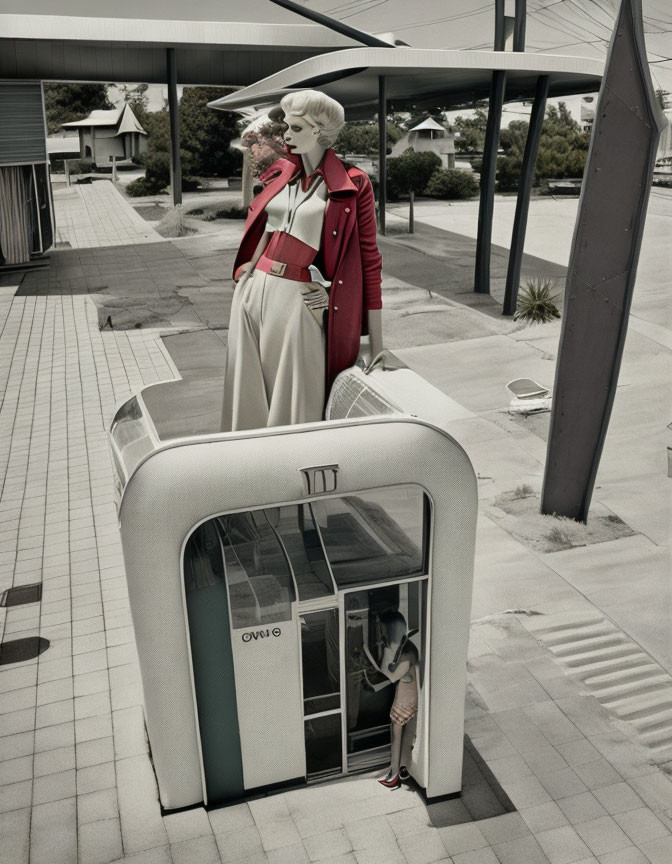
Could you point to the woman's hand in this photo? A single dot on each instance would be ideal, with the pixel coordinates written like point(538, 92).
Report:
point(241, 271)
point(316, 298)
point(375, 326)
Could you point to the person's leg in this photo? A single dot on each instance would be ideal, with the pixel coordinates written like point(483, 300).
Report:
point(408, 740)
point(391, 778)
point(292, 355)
point(395, 755)
point(245, 400)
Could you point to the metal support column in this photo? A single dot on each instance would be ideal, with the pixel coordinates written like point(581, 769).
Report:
point(519, 25)
point(174, 110)
point(500, 35)
point(486, 207)
point(524, 190)
point(382, 152)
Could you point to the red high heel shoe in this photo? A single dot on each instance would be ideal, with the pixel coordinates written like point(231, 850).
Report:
point(392, 783)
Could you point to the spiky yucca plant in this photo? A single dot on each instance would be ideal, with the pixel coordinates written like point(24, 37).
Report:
point(535, 304)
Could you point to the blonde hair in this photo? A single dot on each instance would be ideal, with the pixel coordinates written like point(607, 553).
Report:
point(317, 109)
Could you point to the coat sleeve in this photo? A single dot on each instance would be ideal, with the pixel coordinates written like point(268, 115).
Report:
point(372, 260)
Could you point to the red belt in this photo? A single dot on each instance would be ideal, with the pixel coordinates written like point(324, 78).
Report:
point(285, 271)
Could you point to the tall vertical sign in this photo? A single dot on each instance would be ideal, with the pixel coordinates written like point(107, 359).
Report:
point(602, 268)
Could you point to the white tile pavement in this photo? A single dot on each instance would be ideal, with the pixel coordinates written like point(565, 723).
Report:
point(97, 214)
point(92, 800)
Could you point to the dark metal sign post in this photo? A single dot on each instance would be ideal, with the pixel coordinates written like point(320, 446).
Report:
point(602, 268)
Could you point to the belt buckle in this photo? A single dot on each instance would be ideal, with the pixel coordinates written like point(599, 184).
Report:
point(278, 268)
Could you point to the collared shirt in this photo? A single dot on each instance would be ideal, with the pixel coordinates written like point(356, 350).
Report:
point(298, 209)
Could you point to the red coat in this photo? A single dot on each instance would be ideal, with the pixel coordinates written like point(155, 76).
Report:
point(349, 255)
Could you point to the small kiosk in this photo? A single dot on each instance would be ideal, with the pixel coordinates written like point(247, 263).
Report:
point(259, 565)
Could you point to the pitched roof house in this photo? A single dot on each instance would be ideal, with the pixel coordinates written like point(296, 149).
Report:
point(429, 136)
point(107, 134)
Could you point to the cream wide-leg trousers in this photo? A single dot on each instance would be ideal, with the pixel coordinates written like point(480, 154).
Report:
point(275, 360)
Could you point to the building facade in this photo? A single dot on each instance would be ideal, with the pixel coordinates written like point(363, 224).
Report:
point(26, 207)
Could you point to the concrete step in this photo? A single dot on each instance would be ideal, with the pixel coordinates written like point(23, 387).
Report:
point(558, 631)
point(642, 707)
point(563, 637)
point(657, 724)
point(658, 740)
point(623, 675)
point(629, 663)
point(569, 649)
point(640, 687)
point(613, 652)
point(563, 622)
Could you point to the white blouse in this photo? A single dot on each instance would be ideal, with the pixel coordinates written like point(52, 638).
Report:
point(299, 213)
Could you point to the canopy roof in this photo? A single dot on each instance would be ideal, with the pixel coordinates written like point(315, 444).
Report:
point(225, 53)
point(96, 118)
point(123, 118)
point(429, 123)
point(418, 78)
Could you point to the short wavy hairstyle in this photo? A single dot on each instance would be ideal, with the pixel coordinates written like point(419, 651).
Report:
point(319, 110)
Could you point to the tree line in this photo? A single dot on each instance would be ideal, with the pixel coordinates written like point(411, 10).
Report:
point(206, 135)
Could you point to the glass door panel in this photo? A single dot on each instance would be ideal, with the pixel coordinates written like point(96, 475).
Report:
point(321, 662)
point(323, 746)
point(369, 694)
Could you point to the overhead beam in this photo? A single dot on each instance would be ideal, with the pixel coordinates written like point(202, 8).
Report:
point(333, 24)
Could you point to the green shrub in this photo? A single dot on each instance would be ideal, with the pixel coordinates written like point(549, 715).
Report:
point(232, 212)
point(535, 304)
point(80, 166)
point(410, 173)
point(451, 183)
point(157, 176)
point(138, 188)
point(190, 184)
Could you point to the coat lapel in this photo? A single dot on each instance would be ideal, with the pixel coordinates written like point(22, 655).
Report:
point(286, 171)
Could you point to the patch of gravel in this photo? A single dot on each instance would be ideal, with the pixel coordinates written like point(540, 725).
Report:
point(518, 513)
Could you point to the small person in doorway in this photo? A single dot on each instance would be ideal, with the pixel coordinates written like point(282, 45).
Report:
point(399, 664)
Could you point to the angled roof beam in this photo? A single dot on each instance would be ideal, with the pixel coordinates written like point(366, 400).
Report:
point(333, 24)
